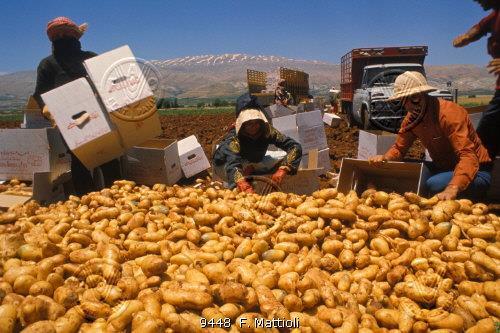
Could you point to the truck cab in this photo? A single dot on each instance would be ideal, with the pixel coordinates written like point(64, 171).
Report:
point(367, 81)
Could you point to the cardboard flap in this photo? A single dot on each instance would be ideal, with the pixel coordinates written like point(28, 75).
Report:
point(398, 177)
point(118, 78)
point(312, 162)
point(23, 152)
point(67, 103)
point(309, 119)
point(9, 200)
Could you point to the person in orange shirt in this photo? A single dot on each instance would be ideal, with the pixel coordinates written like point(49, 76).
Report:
point(489, 125)
point(461, 164)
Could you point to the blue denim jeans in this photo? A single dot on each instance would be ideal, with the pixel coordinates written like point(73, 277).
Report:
point(488, 128)
point(476, 190)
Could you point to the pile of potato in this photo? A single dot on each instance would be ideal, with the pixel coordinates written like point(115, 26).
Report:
point(15, 187)
point(166, 259)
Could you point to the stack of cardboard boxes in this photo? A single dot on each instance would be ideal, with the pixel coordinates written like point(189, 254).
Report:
point(307, 128)
point(88, 121)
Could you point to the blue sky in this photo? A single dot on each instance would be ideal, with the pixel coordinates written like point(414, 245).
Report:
point(314, 30)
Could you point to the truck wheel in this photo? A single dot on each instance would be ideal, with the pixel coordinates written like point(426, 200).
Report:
point(347, 109)
point(365, 118)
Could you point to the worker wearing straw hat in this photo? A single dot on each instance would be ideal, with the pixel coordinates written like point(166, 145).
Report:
point(64, 65)
point(242, 152)
point(489, 125)
point(461, 164)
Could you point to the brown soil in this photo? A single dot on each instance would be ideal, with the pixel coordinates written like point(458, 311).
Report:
point(10, 124)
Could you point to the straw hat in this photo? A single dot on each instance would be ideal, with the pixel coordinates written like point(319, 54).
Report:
point(408, 84)
point(247, 115)
point(61, 27)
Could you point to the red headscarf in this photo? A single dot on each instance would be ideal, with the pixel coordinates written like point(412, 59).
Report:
point(63, 27)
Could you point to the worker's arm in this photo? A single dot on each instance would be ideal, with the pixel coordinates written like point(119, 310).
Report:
point(456, 129)
point(475, 33)
point(292, 148)
point(44, 81)
point(397, 151)
point(234, 161)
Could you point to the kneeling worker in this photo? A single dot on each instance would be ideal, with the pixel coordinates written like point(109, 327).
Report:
point(242, 152)
point(460, 162)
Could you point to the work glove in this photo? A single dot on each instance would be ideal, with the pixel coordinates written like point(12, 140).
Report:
point(244, 186)
point(279, 175)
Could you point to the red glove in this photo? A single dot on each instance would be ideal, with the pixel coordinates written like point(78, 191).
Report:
point(279, 175)
point(244, 186)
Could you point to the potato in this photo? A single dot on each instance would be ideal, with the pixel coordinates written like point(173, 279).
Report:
point(8, 313)
point(187, 299)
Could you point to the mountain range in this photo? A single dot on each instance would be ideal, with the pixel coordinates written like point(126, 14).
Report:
point(212, 76)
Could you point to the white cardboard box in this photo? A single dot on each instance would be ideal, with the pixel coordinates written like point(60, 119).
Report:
point(331, 119)
point(286, 125)
point(118, 78)
point(305, 181)
point(24, 152)
point(311, 130)
point(398, 177)
point(278, 110)
point(373, 143)
point(192, 157)
point(324, 164)
point(83, 123)
point(313, 137)
point(154, 161)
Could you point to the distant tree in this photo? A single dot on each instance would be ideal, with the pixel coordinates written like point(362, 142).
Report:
point(200, 105)
point(159, 103)
point(174, 103)
point(217, 102)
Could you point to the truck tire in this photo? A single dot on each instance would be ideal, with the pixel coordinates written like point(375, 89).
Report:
point(347, 109)
point(365, 118)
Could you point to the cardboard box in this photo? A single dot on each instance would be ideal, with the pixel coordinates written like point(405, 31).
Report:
point(33, 117)
point(192, 157)
point(324, 164)
point(331, 119)
point(154, 161)
point(277, 110)
point(118, 78)
point(309, 106)
point(83, 123)
point(286, 125)
point(373, 143)
point(44, 189)
point(305, 181)
point(397, 177)
point(311, 130)
point(24, 152)
point(136, 132)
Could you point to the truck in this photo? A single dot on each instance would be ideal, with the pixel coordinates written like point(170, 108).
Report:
point(367, 81)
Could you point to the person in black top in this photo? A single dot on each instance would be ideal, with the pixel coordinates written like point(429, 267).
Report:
point(242, 151)
point(64, 65)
